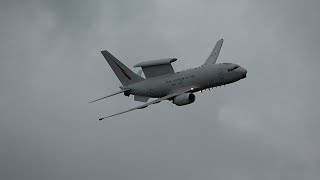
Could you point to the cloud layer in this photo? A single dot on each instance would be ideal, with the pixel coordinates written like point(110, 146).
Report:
point(262, 127)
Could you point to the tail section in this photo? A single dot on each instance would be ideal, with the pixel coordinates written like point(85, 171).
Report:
point(124, 74)
point(215, 53)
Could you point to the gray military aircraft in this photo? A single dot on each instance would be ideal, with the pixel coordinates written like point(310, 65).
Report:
point(163, 83)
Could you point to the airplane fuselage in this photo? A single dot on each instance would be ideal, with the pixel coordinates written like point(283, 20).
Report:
point(162, 83)
point(199, 78)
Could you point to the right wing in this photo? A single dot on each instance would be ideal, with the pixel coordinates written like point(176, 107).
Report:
point(215, 53)
point(149, 103)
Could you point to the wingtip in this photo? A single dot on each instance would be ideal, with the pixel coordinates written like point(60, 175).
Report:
point(93, 101)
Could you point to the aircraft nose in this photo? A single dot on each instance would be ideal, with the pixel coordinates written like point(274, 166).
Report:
point(244, 72)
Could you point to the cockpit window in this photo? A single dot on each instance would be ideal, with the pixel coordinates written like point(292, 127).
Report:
point(233, 68)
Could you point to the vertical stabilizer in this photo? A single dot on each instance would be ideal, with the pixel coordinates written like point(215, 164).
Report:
point(124, 74)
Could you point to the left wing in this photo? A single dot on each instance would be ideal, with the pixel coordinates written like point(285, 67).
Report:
point(151, 102)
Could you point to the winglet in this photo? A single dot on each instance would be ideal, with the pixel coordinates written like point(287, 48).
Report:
point(215, 52)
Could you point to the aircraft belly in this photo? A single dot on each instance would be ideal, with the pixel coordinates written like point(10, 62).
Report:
point(150, 88)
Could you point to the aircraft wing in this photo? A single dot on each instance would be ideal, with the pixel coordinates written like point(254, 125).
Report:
point(215, 53)
point(151, 102)
point(123, 90)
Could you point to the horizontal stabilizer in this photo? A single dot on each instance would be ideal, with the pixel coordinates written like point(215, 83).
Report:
point(110, 95)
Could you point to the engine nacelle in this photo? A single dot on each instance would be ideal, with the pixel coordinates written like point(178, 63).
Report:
point(184, 99)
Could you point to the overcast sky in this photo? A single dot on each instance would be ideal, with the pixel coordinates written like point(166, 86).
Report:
point(263, 127)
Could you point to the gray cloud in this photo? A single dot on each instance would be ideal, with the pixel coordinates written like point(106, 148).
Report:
point(263, 127)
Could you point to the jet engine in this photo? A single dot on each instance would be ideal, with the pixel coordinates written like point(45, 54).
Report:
point(184, 99)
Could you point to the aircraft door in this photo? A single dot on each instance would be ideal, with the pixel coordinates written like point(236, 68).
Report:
point(220, 74)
